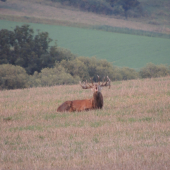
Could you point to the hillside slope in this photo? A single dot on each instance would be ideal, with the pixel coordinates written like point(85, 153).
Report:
point(54, 13)
point(120, 49)
point(131, 132)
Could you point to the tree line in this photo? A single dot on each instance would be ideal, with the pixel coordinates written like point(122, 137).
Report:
point(107, 7)
point(28, 60)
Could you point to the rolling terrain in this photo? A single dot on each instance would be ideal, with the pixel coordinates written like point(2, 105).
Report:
point(122, 50)
point(131, 132)
point(43, 11)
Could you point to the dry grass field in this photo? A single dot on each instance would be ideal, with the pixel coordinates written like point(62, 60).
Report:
point(131, 132)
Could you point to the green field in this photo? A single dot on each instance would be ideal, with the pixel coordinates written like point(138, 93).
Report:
point(120, 49)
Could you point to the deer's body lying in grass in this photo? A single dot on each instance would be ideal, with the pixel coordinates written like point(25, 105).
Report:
point(96, 102)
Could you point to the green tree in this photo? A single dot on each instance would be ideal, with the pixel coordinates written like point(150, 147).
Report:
point(107, 7)
point(128, 4)
point(21, 47)
point(61, 54)
point(29, 48)
point(6, 44)
point(125, 4)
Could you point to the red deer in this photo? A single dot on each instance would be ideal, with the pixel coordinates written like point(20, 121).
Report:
point(96, 102)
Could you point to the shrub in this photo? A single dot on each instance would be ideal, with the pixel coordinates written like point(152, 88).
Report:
point(128, 73)
point(13, 77)
point(152, 70)
point(76, 68)
point(52, 76)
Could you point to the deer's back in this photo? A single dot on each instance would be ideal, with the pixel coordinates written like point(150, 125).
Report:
point(80, 105)
point(75, 105)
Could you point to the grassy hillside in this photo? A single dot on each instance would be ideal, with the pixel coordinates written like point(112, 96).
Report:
point(120, 49)
point(131, 132)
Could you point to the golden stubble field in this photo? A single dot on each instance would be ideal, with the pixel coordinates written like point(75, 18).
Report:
point(131, 132)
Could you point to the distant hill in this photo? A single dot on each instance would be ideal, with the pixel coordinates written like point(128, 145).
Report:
point(141, 51)
point(156, 15)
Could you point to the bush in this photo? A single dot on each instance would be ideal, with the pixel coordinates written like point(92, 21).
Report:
point(152, 70)
point(102, 68)
point(76, 68)
point(51, 77)
point(128, 73)
point(13, 77)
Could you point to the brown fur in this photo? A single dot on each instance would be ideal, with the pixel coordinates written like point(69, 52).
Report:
point(80, 105)
point(96, 102)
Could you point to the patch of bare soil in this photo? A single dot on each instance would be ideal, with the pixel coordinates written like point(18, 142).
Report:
point(57, 13)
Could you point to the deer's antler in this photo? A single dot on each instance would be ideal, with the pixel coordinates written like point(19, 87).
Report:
point(107, 83)
point(86, 85)
point(98, 79)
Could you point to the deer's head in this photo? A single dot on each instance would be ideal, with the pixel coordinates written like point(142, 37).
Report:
point(96, 102)
point(96, 87)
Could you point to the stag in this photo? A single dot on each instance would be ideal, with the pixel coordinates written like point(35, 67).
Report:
point(96, 102)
